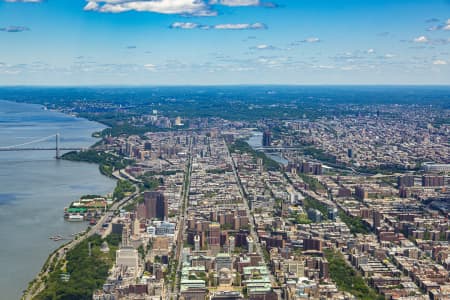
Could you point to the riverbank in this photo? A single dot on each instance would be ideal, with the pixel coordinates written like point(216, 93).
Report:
point(35, 188)
point(60, 263)
point(74, 259)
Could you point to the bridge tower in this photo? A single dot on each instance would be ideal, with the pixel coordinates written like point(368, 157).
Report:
point(58, 156)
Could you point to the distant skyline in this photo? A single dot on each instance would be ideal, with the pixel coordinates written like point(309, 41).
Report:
point(216, 42)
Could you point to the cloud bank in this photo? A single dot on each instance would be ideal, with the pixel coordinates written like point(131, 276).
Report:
point(183, 7)
point(14, 29)
point(228, 26)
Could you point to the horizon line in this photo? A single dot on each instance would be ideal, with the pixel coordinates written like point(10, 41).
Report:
point(221, 85)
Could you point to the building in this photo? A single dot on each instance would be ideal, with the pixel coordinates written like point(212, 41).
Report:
point(333, 213)
point(315, 215)
point(226, 295)
point(312, 244)
point(361, 193)
point(296, 267)
point(231, 244)
point(214, 237)
point(307, 167)
point(117, 228)
point(405, 181)
point(178, 122)
point(377, 217)
point(428, 180)
point(148, 146)
point(156, 205)
point(223, 261)
point(250, 244)
point(127, 256)
point(267, 138)
point(436, 168)
point(165, 228)
point(197, 243)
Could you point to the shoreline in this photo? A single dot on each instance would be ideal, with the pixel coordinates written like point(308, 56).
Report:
point(86, 228)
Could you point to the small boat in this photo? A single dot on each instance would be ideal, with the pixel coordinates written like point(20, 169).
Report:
point(75, 218)
point(56, 238)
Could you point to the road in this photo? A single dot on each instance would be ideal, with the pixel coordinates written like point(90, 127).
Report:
point(182, 226)
point(253, 234)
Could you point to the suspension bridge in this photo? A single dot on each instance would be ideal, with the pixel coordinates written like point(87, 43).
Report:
point(57, 148)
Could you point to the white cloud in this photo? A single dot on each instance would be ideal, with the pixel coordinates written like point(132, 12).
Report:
point(439, 62)
point(324, 67)
point(184, 25)
point(347, 68)
point(236, 2)
point(421, 39)
point(370, 51)
point(447, 25)
point(188, 7)
point(183, 7)
point(241, 26)
point(15, 29)
point(91, 6)
point(238, 26)
point(243, 3)
point(264, 47)
point(312, 40)
point(150, 67)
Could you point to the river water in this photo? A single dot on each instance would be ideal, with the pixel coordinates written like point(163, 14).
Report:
point(35, 188)
point(255, 141)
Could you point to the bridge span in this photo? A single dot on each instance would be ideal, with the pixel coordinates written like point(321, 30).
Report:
point(57, 148)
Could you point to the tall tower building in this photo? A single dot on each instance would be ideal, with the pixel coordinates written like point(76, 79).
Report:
point(377, 218)
point(125, 240)
point(267, 138)
point(250, 244)
point(156, 205)
point(231, 244)
point(197, 243)
point(214, 238)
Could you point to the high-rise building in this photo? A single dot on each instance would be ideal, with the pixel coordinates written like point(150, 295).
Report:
point(231, 244)
point(267, 138)
point(214, 234)
point(315, 215)
point(428, 180)
point(117, 228)
point(250, 245)
point(197, 243)
point(361, 193)
point(349, 152)
point(148, 146)
point(377, 218)
point(156, 205)
point(310, 168)
point(312, 244)
point(405, 181)
point(333, 213)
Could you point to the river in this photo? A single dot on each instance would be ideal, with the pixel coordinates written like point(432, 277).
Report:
point(255, 141)
point(35, 188)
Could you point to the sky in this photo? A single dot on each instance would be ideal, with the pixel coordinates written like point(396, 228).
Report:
point(224, 42)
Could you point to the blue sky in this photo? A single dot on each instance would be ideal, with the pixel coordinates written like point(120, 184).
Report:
point(209, 42)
